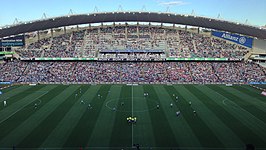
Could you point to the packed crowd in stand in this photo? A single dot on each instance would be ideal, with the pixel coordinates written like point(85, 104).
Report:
point(198, 72)
point(76, 44)
point(193, 45)
point(174, 43)
point(143, 43)
point(59, 47)
point(11, 71)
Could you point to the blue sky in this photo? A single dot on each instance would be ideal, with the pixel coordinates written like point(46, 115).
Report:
point(233, 10)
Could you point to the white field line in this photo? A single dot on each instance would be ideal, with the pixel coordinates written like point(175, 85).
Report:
point(132, 142)
point(21, 108)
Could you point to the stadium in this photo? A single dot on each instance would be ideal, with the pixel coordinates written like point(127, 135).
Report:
point(132, 80)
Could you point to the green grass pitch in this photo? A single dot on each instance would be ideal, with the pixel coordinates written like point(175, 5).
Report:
point(226, 117)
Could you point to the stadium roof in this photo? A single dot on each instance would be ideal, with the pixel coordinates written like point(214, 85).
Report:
point(133, 17)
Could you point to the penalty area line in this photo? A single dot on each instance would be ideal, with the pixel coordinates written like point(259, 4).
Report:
point(21, 108)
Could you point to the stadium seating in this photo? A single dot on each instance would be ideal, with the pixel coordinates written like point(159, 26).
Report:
point(154, 72)
point(139, 43)
point(174, 43)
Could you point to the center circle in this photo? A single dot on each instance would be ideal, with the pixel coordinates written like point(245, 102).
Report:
point(140, 104)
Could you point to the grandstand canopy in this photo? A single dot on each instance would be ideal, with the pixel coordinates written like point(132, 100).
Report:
point(133, 17)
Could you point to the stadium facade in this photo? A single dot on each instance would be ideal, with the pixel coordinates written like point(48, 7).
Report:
point(207, 50)
point(158, 17)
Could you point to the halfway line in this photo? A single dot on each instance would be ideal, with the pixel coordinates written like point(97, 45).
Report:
point(132, 140)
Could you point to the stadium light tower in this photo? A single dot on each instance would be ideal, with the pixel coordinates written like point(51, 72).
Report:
point(143, 8)
point(70, 12)
point(120, 8)
point(96, 9)
point(246, 22)
point(193, 12)
point(219, 16)
point(16, 21)
point(168, 9)
point(44, 16)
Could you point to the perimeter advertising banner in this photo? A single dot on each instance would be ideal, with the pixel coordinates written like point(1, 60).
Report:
point(7, 53)
point(5, 82)
point(58, 58)
point(196, 59)
point(241, 40)
point(13, 41)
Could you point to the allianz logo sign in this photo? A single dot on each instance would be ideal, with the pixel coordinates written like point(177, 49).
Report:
point(241, 40)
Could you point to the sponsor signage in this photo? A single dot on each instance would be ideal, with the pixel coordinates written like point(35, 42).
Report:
point(13, 41)
point(132, 51)
point(7, 53)
point(241, 40)
point(257, 82)
point(57, 58)
point(5, 83)
point(198, 59)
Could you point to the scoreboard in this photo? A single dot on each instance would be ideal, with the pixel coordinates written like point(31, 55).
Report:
point(13, 41)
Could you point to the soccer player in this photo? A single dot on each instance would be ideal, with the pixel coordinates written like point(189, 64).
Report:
point(82, 102)
point(171, 105)
point(89, 106)
point(122, 103)
point(190, 103)
point(177, 113)
point(35, 106)
point(5, 103)
point(158, 106)
point(194, 112)
point(135, 119)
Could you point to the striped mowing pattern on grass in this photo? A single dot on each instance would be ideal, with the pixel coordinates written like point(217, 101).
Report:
point(93, 117)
